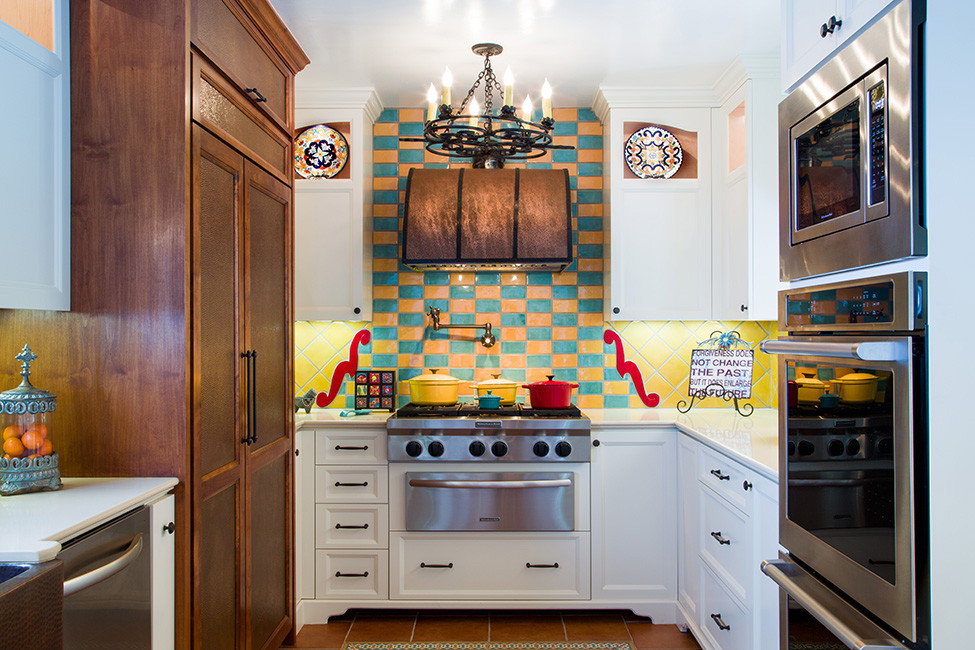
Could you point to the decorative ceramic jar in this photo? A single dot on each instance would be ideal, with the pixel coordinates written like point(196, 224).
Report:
point(29, 462)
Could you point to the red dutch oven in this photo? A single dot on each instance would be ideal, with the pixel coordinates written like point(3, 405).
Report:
point(550, 394)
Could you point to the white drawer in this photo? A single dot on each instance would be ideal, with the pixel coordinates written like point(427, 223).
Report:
point(724, 622)
point(727, 478)
point(355, 484)
point(472, 566)
point(350, 447)
point(354, 575)
point(726, 542)
point(339, 525)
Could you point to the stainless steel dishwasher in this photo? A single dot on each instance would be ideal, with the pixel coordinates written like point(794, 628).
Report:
point(107, 580)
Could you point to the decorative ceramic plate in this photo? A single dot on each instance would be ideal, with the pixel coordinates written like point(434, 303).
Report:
point(653, 152)
point(320, 152)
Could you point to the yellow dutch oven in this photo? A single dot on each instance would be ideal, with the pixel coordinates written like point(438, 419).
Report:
point(810, 388)
point(857, 387)
point(431, 389)
point(506, 389)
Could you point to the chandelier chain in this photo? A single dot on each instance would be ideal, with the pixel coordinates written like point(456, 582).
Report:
point(491, 84)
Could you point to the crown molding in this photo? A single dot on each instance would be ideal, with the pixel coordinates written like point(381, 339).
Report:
point(364, 99)
point(744, 67)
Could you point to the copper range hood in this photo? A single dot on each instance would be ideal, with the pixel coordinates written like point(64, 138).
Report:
point(487, 219)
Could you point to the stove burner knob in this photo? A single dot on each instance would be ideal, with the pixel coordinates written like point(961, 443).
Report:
point(563, 449)
point(477, 448)
point(791, 448)
point(435, 448)
point(853, 447)
point(540, 448)
point(499, 449)
point(834, 448)
point(806, 448)
point(413, 449)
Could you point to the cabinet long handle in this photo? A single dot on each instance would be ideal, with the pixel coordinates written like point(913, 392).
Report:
point(721, 624)
point(721, 540)
point(721, 477)
point(339, 574)
point(341, 448)
point(424, 565)
point(253, 397)
point(363, 484)
point(362, 527)
point(248, 377)
point(257, 94)
point(542, 566)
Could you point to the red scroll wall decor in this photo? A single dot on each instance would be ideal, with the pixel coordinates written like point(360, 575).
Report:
point(625, 367)
point(344, 368)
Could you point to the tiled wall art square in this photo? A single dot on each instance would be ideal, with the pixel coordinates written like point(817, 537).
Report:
point(545, 323)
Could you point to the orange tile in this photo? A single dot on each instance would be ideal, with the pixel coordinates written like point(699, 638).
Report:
point(589, 155)
point(589, 319)
point(385, 320)
point(590, 182)
point(570, 167)
point(412, 115)
point(385, 292)
point(385, 128)
point(565, 114)
point(563, 140)
point(538, 347)
point(385, 237)
point(538, 320)
point(436, 292)
point(589, 128)
point(513, 306)
point(590, 374)
point(590, 291)
point(514, 333)
point(565, 278)
point(539, 292)
point(458, 306)
point(487, 292)
point(408, 306)
point(461, 279)
point(409, 277)
point(591, 210)
point(385, 155)
point(384, 183)
point(591, 347)
point(512, 279)
point(438, 346)
point(385, 210)
point(387, 265)
point(410, 145)
point(516, 361)
point(590, 265)
point(591, 237)
point(461, 360)
point(410, 333)
point(565, 306)
point(430, 157)
point(590, 401)
point(565, 333)
point(565, 360)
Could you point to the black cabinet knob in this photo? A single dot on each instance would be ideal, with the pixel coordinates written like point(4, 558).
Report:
point(616, 310)
point(435, 448)
point(744, 307)
point(169, 528)
point(356, 311)
point(830, 26)
point(596, 443)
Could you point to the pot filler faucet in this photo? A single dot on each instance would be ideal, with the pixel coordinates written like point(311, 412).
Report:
point(487, 340)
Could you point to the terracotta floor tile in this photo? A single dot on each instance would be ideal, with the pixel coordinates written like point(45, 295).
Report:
point(470, 627)
point(382, 628)
point(331, 635)
point(595, 628)
point(527, 628)
point(649, 635)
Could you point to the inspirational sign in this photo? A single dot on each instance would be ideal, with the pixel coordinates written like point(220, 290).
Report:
point(731, 369)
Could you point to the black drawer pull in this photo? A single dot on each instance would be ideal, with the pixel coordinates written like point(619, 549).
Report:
point(542, 566)
point(257, 93)
point(721, 477)
point(721, 540)
point(339, 574)
point(340, 484)
point(362, 527)
point(341, 448)
point(424, 565)
point(721, 624)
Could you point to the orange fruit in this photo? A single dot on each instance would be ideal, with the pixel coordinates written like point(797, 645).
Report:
point(32, 439)
point(13, 446)
point(40, 428)
point(13, 431)
point(8, 457)
point(46, 448)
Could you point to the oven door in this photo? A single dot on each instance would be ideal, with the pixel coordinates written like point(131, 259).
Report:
point(846, 488)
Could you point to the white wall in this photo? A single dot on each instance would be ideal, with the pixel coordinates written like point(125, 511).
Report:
point(950, 174)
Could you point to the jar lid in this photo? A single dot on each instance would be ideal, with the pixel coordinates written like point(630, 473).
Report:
point(497, 381)
point(26, 398)
point(433, 378)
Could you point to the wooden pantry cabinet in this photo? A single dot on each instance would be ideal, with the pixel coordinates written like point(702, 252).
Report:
point(181, 261)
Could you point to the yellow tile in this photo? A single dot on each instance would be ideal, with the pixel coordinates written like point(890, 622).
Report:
point(304, 334)
point(538, 347)
point(590, 292)
point(319, 383)
point(412, 115)
point(436, 292)
point(385, 210)
point(565, 114)
point(461, 306)
point(385, 237)
point(563, 140)
point(461, 360)
point(589, 319)
point(385, 320)
point(590, 374)
point(636, 333)
point(411, 278)
point(385, 265)
point(513, 306)
point(385, 155)
point(383, 292)
point(411, 306)
point(565, 278)
point(570, 167)
point(319, 352)
point(487, 292)
point(384, 347)
point(674, 333)
point(590, 182)
point(589, 128)
point(655, 354)
point(385, 128)
point(513, 361)
point(461, 279)
point(305, 370)
point(565, 333)
point(565, 306)
point(410, 333)
point(591, 237)
point(616, 387)
point(438, 346)
point(590, 401)
point(589, 264)
point(590, 347)
point(539, 319)
point(539, 292)
point(514, 333)
point(411, 145)
point(589, 155)
point(384, 183)
point(512, 279)
point(675, 372)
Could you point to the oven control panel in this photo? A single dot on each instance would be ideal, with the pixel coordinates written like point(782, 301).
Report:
point(489, 448)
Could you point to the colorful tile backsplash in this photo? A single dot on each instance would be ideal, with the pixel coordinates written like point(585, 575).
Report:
point(545, 323)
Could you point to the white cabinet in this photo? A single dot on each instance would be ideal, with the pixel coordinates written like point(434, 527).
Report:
point(730, 525)
point(333, 217)
point(162, 572)
point(806, 44)
point(35, 267)
point(634, 510)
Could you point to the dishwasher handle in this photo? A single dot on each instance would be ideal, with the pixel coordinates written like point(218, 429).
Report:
point(106, 571)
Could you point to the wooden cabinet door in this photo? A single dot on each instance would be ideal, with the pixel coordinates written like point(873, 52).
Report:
point(218, 426)
point(267, 317)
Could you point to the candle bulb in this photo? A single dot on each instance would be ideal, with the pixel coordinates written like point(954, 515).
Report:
point(431, 103)
point(526, 109)
point(546, 100)
point(475, 110)
point(509, 88)
point(445, 83)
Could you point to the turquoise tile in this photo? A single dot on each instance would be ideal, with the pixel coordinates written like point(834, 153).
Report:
point(590, 169)
point(486, 361)
point(432, 165)
point(565, 320)
point(389, 115)
point(382, 305)
point(573, 183)
point(585, 333)
point(431, 335)
point(590, 278)
point(512, 347)
point(590, 360)
point(384, 360)
point(402, 400)
point(384, 333)
point(409, 373)
point(590, 388)
point(385, 170)
point(410, 156)
point(538, 278)
point(385, 251)
point(585, 142)
point(412, 320)
point(610, 374)
point(591, 305)
point(513, 320)
point(543, 361)
point(586, 115)
point(409, 347)
point(410, 292)
point(385, 142)
point(489, 279)
point(564, 155)
point(565, 128)
point(589, 196)
point(487, 306)
point(464, 374)
point(539, 306)
point(590, 224)
point(385, 224)
point(513, 292)
point(439, 304)
point(461, 292)
point(411, 129)
point(462, 319)
point(515, 374)
point(616, 401)
point(565, 292)
point(538, 165)
point(462, 347)
point(565, 347)
point(384, 279)
point(434, 360)
point(539, 333)
point(436, 278)
point(566, 374)
point(385, 197)
point(591, 251)
point(402, 183)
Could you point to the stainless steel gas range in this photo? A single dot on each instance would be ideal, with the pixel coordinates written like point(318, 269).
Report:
point(508, 469)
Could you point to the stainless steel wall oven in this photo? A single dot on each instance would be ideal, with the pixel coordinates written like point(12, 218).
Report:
point(853, 458)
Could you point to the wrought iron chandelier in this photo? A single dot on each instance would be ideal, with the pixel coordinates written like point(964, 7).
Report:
point(486, 137)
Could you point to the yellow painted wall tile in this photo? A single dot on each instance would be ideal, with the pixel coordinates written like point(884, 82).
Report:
point(565, 114)
point(410, 145)
point(538, 347)
point(384, 347)
point(385, 265)
point(514, 333)
point(385, 320)
point(436, 292)
point(384, 183)
point(565, 306)
point(590, 374)
point(590, 237)
point(385, 210)
point(412, 115)
point(385, 237)
point(590, 182)
point(304, 334)
point(590, 292)
point(589, 128)
point(385, 128)
point(410, 333)
point(590, 401)
point(461, 306)
point(305, 370)
point(461, 360)
point(436, 346)
point(513, 306)
point(514, 361)
point(565, 333)
point(589, 155)
point(538, 292)
point(538, 319)
point(382, 292)
point(616, 387)
point(414, 306)
point(590, 265)
point(573, 170)
point(461, 279)
point(588, 319)
point(565, 278)
point(512, 279)
point(385, 156)
point(590, 210)
point(565, 140)
point(590, 347)
point(411, 278)
point(487, 292)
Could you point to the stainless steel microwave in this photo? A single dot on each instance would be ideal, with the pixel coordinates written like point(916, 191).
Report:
point(849, 152)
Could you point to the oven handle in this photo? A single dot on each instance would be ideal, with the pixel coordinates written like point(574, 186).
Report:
point(858, 351)
point(490, 485)
point(837, 482)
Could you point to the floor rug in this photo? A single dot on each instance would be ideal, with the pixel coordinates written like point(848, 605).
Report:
point(611, 645)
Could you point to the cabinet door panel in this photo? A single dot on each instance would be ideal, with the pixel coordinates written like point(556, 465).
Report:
point(219, 561)
point(803, 47)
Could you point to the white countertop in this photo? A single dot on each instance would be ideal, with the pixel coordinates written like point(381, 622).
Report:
point(751, 440)
point(34, 525)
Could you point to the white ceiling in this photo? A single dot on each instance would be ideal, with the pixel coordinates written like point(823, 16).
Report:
point(399, 47)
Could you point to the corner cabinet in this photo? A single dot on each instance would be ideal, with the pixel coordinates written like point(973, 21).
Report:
point(35, 169)
point(813, 29)
point(702, 244)
point(333, 217)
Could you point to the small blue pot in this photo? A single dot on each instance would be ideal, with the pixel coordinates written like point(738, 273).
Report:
point(489, 401)
point(829, 400)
